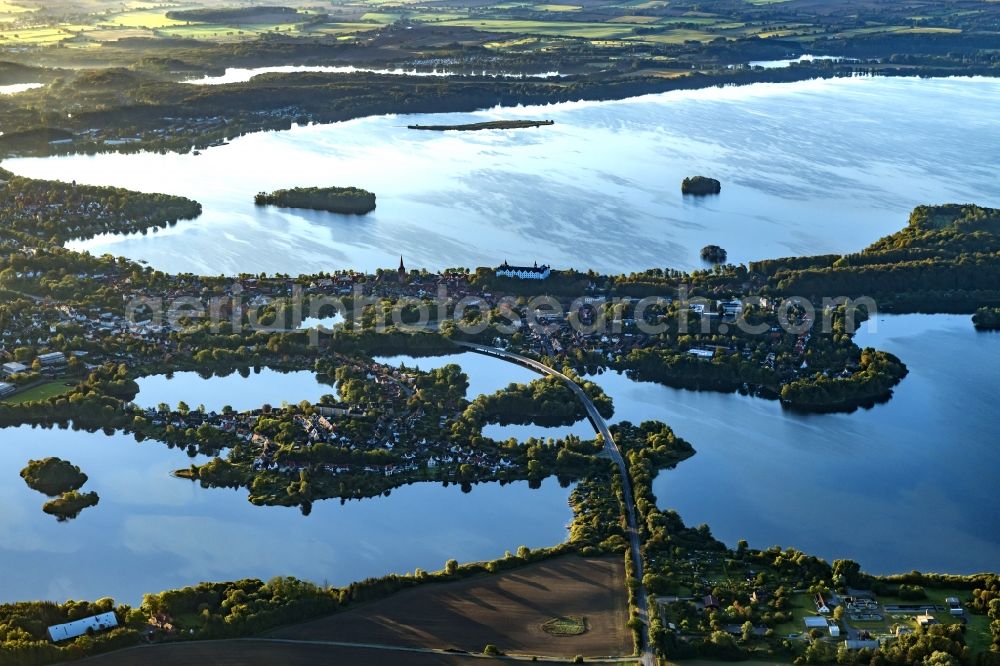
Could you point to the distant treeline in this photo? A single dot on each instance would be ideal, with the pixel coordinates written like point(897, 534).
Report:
point(230, 14)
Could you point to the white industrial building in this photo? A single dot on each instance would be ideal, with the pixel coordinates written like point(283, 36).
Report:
point(64, 632)
point(13, 368)
point(54, 358)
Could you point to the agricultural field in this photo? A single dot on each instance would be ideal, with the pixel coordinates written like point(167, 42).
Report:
point(555, 28)
point(507, 610)
point(662, 26)
point(150, 18)
point(263, 653)
point(33, 36)
point(677, 36)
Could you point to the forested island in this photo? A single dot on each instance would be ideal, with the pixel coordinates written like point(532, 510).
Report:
point(987, 319)
point(700, 185)
point(345, 200)
point(60, 479)
point(714, 254)
point(53, 476)
point(69, 504)
point(489, 125)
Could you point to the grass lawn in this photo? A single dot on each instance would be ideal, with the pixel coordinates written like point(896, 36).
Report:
point(41, 392)
point(558, 8)
point(801, 607)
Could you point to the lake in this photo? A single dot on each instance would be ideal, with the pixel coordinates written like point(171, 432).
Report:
point(266, 386)
point(16, 88)
point(152, 532)
point(244, 74)
point(895, 487)
point(807, 167)
point(901, 486)
point(788, 62)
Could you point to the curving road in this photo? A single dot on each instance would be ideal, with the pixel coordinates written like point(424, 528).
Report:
point(601, 427)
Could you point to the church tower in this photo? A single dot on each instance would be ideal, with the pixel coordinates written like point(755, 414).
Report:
point(402, 269)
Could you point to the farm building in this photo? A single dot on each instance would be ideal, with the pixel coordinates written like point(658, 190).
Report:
point(6, 389)
point(63, 632)
point(815, 622)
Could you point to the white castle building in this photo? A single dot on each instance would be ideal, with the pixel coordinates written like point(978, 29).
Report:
point(535, 272)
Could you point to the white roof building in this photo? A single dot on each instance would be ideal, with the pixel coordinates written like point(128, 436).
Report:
point(14, 368)
point(6, 389)
point(52, 358)
point(63, 632)
point(815, 622)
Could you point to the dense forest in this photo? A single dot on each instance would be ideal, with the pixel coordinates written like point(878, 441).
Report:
point(947, 259)
point(347, 200)
point(987, 319)
point(545, 402)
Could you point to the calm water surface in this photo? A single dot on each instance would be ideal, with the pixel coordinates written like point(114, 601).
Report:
point(242, 74)
point(907, 484)
point(15, 88)
point(265, 386)
point(152, 532)
point(808, 167)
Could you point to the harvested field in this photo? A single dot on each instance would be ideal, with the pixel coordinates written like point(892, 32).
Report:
point(259, 653)
point(507, 610)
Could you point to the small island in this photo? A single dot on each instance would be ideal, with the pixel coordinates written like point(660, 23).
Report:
point(489, 125)
point(53, 476)
point(714, 254)
point(69, 505)
point(700, 186)
point(345, 200)
point(987, 319)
